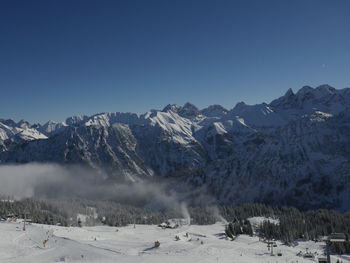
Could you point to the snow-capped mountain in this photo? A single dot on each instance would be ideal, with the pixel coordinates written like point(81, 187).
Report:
point(19, 132)
point(294, 150)
point(52, 127)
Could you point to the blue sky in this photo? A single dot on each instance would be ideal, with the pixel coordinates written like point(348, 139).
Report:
point(60, 58)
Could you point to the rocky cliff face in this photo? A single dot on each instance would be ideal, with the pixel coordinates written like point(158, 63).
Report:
point(295, 150)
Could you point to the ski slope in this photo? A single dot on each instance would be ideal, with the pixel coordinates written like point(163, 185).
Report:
point(136, 244)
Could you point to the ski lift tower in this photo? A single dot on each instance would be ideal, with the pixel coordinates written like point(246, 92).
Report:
point(271, 245)
point(334, 238)
point(24, 221)
point(25, 212)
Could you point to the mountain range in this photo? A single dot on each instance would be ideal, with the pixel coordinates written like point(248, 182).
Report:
point(293, 151)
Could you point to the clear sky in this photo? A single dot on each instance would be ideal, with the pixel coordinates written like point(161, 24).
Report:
point(64, 57)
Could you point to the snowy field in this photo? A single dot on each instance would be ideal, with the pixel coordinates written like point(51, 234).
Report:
point(136, 244)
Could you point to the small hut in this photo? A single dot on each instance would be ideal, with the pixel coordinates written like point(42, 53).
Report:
point(322, 260)
point(337, 237)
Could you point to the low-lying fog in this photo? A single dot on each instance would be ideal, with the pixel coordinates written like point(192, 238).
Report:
point(58, 181)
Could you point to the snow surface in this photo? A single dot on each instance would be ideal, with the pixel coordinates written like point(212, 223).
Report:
point(136, 244)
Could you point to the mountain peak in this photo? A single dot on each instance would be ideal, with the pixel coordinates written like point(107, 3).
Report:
point(289, 93)
point(50, 122)
point(189, 110)
point(214, 111)
point(321, 91)
point(326, 88)
point(76, 119)
point(240, 105)
point(305, 90)
point(171, 107)
point(8, 122)
point(189, 105)
point(23, 124)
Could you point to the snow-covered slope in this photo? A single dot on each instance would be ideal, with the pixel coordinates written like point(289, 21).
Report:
point(52, 127)
point(129, 244)
point(21, 131)
point(294, 150)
